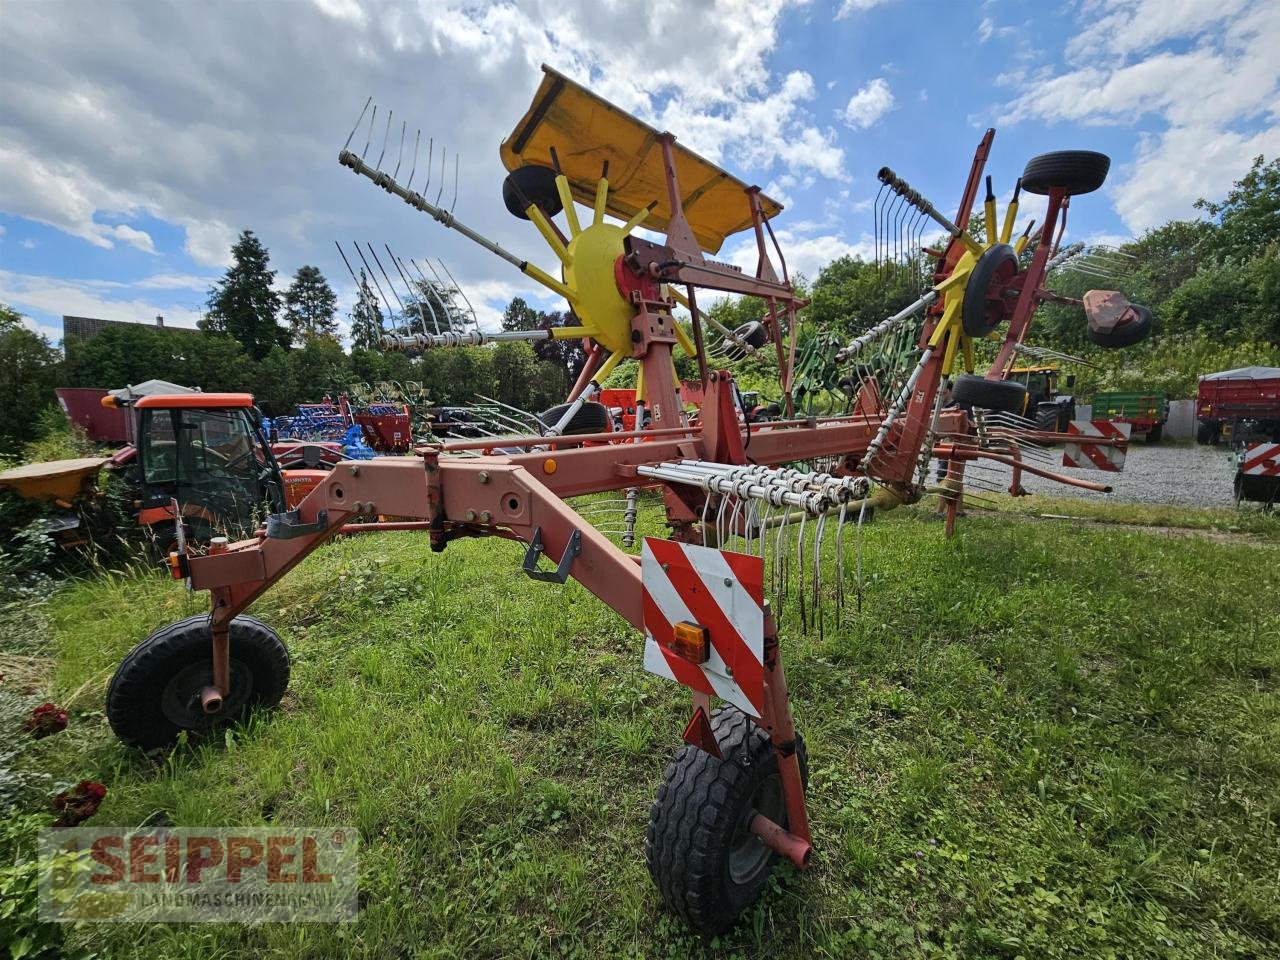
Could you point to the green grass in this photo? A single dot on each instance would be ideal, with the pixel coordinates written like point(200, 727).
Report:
point(1249, 520)
point(1035, 740)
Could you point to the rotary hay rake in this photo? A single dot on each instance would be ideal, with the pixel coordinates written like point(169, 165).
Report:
point(732, 799)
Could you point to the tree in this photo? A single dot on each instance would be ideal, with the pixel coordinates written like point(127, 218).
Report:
point(310, 304)
point(366, 317)
point(29, 370)
point(1248, 220)
point(520, 316)
point(566, 354)
point(243, 304)
point(433, 304)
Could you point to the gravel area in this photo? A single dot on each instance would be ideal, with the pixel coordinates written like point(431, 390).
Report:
point(1192, 476)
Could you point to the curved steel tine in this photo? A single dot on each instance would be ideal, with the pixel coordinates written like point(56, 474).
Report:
point(706, 505)
point(408, 286)
point(386, 134)
point(368, 139)
point(779, 590)
point(390, 310)
point(455, 183)
point(448, 314)
point(844, 507)
point(819, 530)
point(374, 254)
point(431, 146)
point(474, 319)
point(400, 155)
point(433, 292)
point(346, 145)
point(875, 215)
point(417, 139)
point(862, 513)
point(444, 154)
point(800, 591)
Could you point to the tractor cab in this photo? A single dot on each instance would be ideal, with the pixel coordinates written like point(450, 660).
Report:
point(1046, 405)
point(208, 452)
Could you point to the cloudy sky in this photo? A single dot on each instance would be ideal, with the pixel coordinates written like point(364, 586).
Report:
point(138, 138)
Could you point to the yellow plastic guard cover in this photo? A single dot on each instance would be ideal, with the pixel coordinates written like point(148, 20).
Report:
point(587, 130)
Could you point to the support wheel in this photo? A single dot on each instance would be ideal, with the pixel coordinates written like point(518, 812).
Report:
point(155, 693)
point(1073, 171)
point(535, 185)
point(707, 864)
point(1126, 334)
point(1005, 396)
point(591, 417)
point(985, 304)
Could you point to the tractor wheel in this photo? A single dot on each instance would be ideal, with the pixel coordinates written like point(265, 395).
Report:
point(1074, 171)
point(1126, 335)
point(155, 693)
point(1005, 396)
point(985, 304)
point(707, 864)
point(1155, 433)
point(532, 184)
point(590, 418)
point(1207, 433)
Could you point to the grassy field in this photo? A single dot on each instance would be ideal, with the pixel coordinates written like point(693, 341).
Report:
point(1038, 739)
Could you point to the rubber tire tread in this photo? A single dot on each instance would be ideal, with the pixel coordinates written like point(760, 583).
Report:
point(691, 822)
point(1006, 396)
point(538, 184)
point(1126, 336)
point(591, 417)
point(1075, 171)
point(133, 696)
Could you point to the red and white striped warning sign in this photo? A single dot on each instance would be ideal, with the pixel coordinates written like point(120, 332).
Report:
point(715, 589)
point(1093, 456)
point(1261, 460)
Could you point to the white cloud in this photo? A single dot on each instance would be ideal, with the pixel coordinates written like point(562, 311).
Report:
point(249, 139)
point(985, 29)
point(849, 7)
point(1206, 71)
point(84, 298)
point(135, 238)
point(806, 255)
point(209, 242)
point(869, 104)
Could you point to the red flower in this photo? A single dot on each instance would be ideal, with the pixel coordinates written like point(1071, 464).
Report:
point(78, 804)
point(46, 720)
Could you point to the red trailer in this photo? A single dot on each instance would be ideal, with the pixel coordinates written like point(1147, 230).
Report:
point(1234, 400)
point(83, 407)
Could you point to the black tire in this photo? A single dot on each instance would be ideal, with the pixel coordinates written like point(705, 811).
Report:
point(1074, 171)
point(532, 184)
point(1125, 336)
point(707, 865)
point(752, 332)
point(591, 418)
point(1047, 416)
point(1155, 433)
point(1006, 396)
point(1207, 433)
point(985, 304)
point(154, 694)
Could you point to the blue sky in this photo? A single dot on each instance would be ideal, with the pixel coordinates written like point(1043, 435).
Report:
point(136, 140)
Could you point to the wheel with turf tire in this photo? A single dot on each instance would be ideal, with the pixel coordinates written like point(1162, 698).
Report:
point(1075, 172)
point(985, 304)
point(708, 865)
point(590, 418)
point(532, 184)
point(1005, 396)
point(1126, 335)
point(155, 692)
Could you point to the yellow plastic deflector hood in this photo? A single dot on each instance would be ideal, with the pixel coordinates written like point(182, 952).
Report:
point(587, 130)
